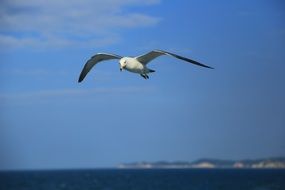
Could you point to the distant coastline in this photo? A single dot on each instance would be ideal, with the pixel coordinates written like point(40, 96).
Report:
point(273, 163)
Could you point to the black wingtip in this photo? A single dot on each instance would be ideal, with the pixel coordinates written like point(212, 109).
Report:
point(200, 64)
point(80, 79)
point(210, 67)
point(186, 59)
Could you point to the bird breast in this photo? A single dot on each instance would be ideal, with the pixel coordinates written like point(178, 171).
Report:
point(134, 66)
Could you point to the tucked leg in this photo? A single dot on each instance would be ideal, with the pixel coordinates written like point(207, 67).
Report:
point(143, 76)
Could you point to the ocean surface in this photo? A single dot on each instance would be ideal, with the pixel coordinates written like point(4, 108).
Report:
point(139, 179)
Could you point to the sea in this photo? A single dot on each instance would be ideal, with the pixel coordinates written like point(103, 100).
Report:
point(144, 179)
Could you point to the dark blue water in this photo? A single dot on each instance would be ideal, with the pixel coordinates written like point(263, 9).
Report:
point(172, 179)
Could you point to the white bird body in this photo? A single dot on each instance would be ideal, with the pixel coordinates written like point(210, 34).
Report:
point(133, 64)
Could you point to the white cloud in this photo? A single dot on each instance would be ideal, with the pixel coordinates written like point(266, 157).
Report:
point(64, 94)
point(57, 23)
point(36, 72)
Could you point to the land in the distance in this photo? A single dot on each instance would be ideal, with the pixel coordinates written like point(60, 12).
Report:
point(209, 163)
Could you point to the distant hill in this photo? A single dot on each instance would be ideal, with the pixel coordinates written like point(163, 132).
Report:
point(278, 162)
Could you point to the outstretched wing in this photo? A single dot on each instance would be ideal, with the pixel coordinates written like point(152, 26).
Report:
point(146, 58)
point(93, 61)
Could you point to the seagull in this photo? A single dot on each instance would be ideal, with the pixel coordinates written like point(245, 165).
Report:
point(133, 64)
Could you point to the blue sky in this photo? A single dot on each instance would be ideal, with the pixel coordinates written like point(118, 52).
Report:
point(183, 112)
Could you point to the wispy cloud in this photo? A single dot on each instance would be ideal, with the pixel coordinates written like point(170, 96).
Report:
point(70, 93)
point(58, 23)
point(35, 72)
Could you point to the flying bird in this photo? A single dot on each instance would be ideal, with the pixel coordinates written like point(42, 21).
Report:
point(133, 64)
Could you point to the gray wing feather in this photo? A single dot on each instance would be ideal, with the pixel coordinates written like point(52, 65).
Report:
point(93, 61)
point(146, 58)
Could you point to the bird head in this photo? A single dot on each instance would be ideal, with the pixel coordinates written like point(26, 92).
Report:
point(123, 63)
